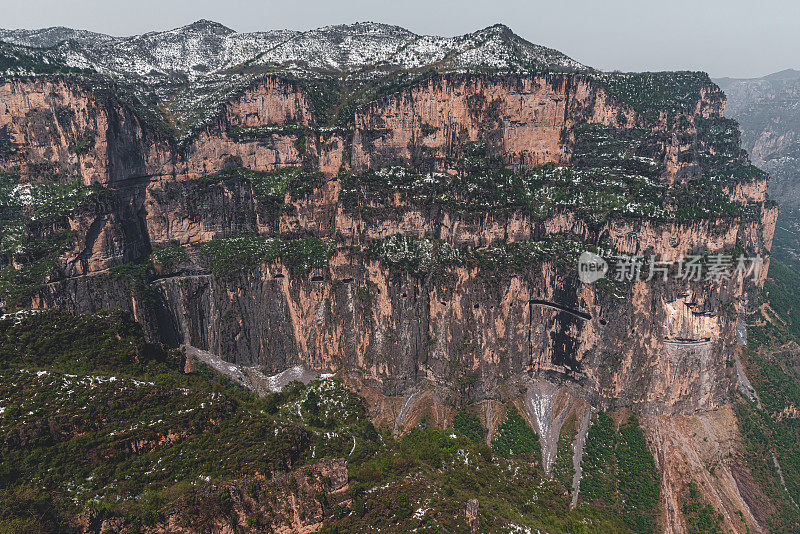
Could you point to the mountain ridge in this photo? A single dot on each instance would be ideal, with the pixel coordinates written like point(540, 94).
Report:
point(336, 34)
point(775, 76)
point(193, 69)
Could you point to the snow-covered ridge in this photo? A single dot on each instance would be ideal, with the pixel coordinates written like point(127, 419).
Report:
point(49, 37)
point(205, 47)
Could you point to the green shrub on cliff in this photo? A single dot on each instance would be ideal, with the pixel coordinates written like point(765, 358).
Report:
point(35, 231)
point(232, 255)
point(467, 424)
point(635, 151)
point(135, 277)
point(429, 445)
point(619, 472)
point(38, 260)
point(701, 517)
point(515, 437)
point(44, 201)
point(651, 93)
point(7, 148)
point(594, 193)
point(240, 133)
point(95, 419)
point(85, 143)
point(12, 237)
point(415, 255)
point(638, 478)
point(770, 433)
point(599, 482)
point(563, 470)
point(268, 186)
point(103, 342)
point(781, 291)
point(423, 256)
point(275, 184)
point(613, 173)
point(169, 256)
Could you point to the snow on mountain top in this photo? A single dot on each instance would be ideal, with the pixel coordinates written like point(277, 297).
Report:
point(206, 26)
point(205, 47)
point(367, 45)
point(49, 37)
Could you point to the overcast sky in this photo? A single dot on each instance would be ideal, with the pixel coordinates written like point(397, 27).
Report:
point(734, 38)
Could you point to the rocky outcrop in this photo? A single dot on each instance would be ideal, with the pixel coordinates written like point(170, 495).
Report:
point(65, 128)
point(296, 502)
point(688, 447)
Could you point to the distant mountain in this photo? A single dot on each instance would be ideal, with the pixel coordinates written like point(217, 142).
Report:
point(49, 37)
point(768, 111)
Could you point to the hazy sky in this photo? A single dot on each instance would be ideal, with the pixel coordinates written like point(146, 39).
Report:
point(723, 37)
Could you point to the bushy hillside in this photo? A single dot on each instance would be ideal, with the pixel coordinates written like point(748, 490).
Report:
point(770, 424)
point(95, 423)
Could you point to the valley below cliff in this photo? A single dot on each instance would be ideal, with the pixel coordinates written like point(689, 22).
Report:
point(315, 286)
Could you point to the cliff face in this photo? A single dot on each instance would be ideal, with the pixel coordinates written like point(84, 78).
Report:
point(526, 120)
point(63, 129)
point(767, 110)
point(359, 311)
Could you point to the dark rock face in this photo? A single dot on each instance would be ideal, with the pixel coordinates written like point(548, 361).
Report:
point(479, 327)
